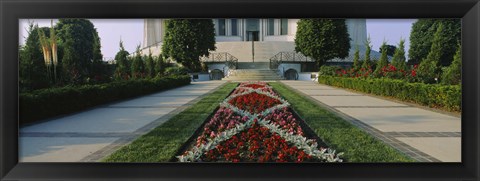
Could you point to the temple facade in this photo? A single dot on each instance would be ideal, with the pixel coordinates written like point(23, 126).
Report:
point(258, 43)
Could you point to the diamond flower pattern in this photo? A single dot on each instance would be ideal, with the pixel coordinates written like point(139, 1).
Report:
point(254, 124)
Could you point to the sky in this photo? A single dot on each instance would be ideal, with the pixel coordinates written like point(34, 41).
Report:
point(130, 31)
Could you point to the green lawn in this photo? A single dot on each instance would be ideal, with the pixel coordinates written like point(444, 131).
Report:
point(161, 144)
point(357, 145)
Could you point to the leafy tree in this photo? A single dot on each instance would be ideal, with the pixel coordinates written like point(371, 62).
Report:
point(356, 59)
point(453, 74)
point(138, 67)
point(383, 60)
point(429, 69)
point(149, 65)
point(122, 68)
point(97, 53)
point(390, 49)
point(398, 59)
point(99, 70)
point(32, 69)
point(186, 40)
point(367, 63)
point(322, 39)
point(77, 37)
point(421, 38)
point(72, 66)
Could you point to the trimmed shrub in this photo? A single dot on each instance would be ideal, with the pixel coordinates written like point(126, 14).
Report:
point(176, 71)
point(45, 103)
point(433, 95)
point(328, 70)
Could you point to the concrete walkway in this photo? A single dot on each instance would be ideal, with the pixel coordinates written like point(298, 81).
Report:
point(425, 135)
point(91, 135)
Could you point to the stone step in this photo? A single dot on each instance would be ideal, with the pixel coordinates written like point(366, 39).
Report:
point(250, 79)
point(252, 75)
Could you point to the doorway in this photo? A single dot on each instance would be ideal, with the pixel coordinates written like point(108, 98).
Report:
point(252, 29)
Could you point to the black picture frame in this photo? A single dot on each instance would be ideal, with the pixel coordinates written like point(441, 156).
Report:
point(12, 11)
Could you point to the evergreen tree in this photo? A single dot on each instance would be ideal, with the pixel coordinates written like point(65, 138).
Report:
point(421, 38)
point(138, 67)
point(160, 65)
point(122, 67)
point(453, 74)
point(367, 63)
point(383, 62)
point(149, 65)
point(389, 48)
point(429, 69)
point(399, 59)
point(32, 70)
point(322, 39)
point(356, 59)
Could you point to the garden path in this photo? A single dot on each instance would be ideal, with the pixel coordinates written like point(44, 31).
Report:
point(90, 135)
point(424, 134)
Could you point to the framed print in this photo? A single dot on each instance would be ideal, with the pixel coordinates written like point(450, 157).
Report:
point(239, 90)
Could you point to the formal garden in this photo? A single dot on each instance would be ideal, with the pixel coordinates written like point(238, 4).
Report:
point(256, 122)
point(62, 72)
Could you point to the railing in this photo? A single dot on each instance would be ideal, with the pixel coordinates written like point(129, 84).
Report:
point(280, 57)
point(230, 60)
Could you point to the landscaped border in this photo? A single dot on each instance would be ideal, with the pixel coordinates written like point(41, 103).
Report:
point(309, 146)
point(357, 145)
point(46, 103)
point(162, 143)
point(446, 97)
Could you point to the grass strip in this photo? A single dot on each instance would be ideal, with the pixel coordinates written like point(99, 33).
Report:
point(339, 134)
point(160, 144)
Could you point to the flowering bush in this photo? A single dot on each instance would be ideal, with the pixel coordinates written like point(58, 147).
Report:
point(253, 124)
point(388, 71)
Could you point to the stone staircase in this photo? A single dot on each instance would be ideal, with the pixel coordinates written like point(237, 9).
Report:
point(253, 75)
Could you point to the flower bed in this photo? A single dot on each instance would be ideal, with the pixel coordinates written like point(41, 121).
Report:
point(253, 124)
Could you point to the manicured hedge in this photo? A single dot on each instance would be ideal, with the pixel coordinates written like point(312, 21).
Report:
point(446, 97)
point(51, 102)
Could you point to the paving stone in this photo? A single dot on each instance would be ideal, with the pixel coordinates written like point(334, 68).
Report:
point(326, 92)
point(101, 120)
point(49, 149)
point(444, 149)
point(355, 101)
point(156, 101)
point(405, 119)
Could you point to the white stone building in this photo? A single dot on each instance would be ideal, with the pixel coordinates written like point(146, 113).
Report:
point(255, 43)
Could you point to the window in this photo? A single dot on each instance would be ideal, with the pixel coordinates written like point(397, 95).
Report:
point(221, 27)
point(271, 27)
point(284, 27)
point(234, 27)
